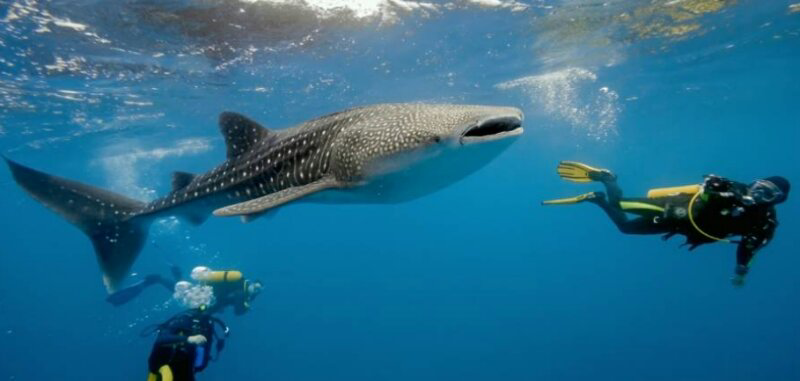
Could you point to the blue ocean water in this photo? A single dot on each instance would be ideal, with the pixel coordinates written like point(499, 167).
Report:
point(474, 282)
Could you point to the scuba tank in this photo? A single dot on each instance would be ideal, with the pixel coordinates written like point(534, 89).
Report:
point(674, 191)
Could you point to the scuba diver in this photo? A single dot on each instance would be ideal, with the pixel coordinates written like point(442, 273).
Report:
point(228, 287)
point(709, 212)
point(183, 345)
point(184, 342)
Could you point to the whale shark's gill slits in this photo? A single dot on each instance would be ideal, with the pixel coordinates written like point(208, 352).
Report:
point(273, 172)
point(318, 153)
point(299, 152)
point(260, 183)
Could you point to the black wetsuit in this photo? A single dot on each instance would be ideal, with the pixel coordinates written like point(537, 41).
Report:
point(171, 347)
point(720, 212)
point(231, 294)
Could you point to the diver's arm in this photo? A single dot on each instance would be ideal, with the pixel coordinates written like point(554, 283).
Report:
point(743, 258)
point(721, 188)
point(747, 249)
point(241, 307)
point(169, 338)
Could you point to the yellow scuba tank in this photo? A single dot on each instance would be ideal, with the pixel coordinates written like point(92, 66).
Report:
point(674, 191)
point(222, 276)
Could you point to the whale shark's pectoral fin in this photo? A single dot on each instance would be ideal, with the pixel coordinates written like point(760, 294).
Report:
point(262, 204)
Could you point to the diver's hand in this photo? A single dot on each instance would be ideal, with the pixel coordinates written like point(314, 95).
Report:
point(738, 278)
point(196, 339)
point(737, 281)
point(716, 183)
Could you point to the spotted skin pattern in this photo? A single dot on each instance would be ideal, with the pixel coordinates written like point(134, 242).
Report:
point(264, 168)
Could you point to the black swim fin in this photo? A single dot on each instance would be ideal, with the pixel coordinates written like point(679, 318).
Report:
point(177, 274)
point(127, 294)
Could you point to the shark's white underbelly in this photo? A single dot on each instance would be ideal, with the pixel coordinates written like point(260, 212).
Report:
point(415, 178)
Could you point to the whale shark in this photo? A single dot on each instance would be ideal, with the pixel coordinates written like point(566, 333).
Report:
point(384, 153)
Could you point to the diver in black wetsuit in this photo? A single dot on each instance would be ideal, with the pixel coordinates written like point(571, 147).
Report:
point(230, 288)
point(704, 213)
point(183, 346)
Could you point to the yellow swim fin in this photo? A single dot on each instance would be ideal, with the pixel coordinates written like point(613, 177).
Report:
point(581, 173)
point(166, 373)
point(571, 200)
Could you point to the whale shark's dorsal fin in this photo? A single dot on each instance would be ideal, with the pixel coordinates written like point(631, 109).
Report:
point(240, 133)
point(181, 179)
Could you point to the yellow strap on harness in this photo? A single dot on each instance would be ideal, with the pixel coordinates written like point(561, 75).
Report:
point(627, 205)
point(694, 224)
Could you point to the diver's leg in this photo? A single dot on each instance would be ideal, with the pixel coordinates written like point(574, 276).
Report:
point(167, 284)
point(177, 274)
point(640, 225)
point(613, 190)
point(129, 293)
point(609, 201)
point(182, 368)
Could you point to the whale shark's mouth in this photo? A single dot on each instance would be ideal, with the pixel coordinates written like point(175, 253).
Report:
point(493, 128)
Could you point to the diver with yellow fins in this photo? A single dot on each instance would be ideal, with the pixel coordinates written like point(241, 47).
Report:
point(184, 342)
point(705, 213)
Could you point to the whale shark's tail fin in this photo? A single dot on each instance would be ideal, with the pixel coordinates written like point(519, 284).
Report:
point(109, 219)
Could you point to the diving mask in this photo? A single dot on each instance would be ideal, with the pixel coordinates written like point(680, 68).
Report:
point(765, 192)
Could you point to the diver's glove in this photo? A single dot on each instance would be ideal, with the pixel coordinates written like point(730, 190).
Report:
point(738, 277)
point(719, 187)
point(196, 339)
